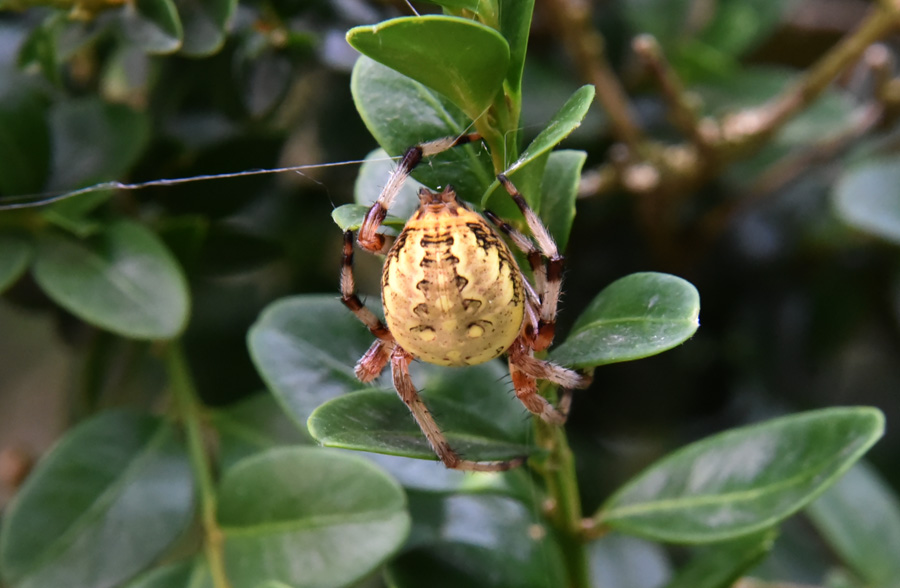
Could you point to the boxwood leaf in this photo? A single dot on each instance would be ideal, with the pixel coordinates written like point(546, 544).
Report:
point(305, 348)
point(636, 316)
point(484, 541)
point(253, 425)
point(25, 146)
point(860, 519)
point(153, 25)
point(123, 280)
point(566, 120)
point(722, 564)
point(472, 406)
point(328, 518)
point(744, 480)
point(349, 217)
point(559, 191)
point(867, 197)
point(204, 23)
point(101, 506)
point(470, 75)
point(622, 561)
point(400, 112)
point(14, 260)
point(93, 142)
point(188, 574)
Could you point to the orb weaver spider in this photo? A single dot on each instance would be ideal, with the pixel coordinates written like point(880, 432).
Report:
point(454, 295)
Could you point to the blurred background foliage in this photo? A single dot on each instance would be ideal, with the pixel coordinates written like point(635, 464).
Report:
point(792, 245)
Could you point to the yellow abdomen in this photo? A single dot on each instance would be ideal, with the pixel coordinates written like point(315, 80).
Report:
point(451, 289)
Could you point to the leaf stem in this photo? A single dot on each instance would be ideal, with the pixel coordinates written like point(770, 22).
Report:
point(188, 407)
point(564, 506)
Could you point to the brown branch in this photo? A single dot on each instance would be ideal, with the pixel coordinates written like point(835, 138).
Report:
point(572, 20)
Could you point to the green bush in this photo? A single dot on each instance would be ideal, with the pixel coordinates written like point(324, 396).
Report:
point(175, 302)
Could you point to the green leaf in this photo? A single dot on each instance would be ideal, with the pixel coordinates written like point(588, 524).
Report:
point(24, 134)
point(472, 406)
point(123, 280)
point(620, 561)
point(101, 506)
point(634, 317)
point(472, 5)
point(566, 120)
point(400, 112)
point(483, 541)
point(721, 565)
point(305, 348)
point(559, 192)
point(204, 23)
point(860, 519)
point(515, 24)
point(328, 518)
point(867, 198)
point(744, 480)
point(190, 574)
point(253, 425)
point(349, 217)
point(153, 25)
point(470, 75)
point(94, 142)
point(16, 255)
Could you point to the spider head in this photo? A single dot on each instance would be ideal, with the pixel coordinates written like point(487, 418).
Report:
point(434, 200)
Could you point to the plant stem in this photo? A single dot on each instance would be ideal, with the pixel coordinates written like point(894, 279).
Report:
point(188, 407)
point(564, 509)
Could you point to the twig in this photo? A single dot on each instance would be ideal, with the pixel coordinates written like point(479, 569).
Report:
point(810, 86)
point(684, 114)
point(572, 19)
point(188, 408)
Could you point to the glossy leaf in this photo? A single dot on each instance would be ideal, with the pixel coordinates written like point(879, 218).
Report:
point(204, 23)
point(721, 565)
point(101, 506)
point(190, 574)
point(15, 255)
point(329, 518)
point(383, 97)
point(24, 135)
point(559, 191)
point(472, 406)
point(636, 316)
point(484, 541)
point(349, 217)
point(153, 25)
point(123, 280)
point(744, 480)
point(252, 425)
point(515, 24)
point(868, 198)
point(305, 348)
point(433, 476)
point(566, 120)
point(860, 519)
point(472, 5)
point(470, 75)
point(94, 142)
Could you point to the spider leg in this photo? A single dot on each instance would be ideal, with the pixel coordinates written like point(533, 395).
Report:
point(526, 370)
point(369, 239)
point(548, 278)
point(406, 389)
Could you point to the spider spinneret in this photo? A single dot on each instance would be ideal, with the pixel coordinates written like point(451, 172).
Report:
point(454, 295)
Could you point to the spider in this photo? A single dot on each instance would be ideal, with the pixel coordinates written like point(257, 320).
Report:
point(454, 295)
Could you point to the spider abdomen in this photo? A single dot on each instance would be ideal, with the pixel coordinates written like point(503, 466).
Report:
point(451, 289)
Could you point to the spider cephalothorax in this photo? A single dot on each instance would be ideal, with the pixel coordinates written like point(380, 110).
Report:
point(454, 295)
